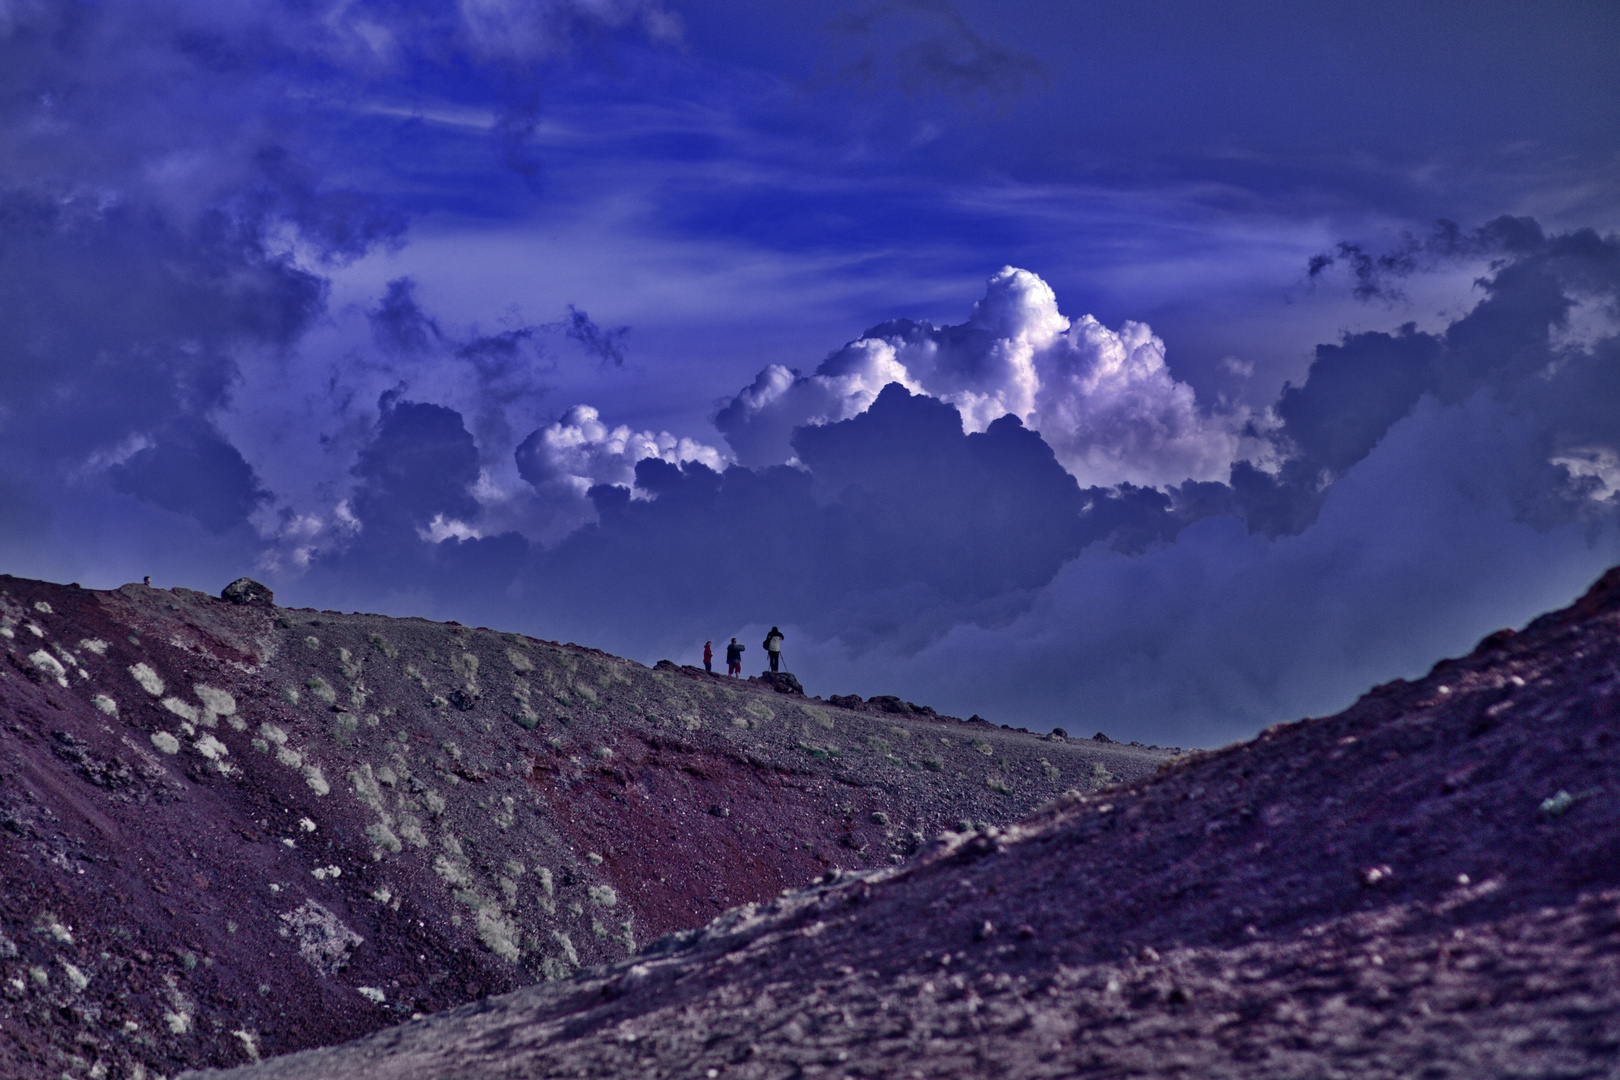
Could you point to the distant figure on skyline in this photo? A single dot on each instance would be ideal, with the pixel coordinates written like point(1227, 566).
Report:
point(708, 656)
point(734, 653)
point(773, 646)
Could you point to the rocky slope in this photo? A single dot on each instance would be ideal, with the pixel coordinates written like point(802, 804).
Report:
point(229, 829)
point(1425, 885)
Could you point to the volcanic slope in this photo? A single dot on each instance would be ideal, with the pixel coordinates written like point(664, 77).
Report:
point(1425, 885)
point(230, 830)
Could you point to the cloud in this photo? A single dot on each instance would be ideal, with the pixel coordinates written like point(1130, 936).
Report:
point(606, 345)
point(1104, 400)
point(928, 46)
point(190, 469)
point(579, 451)
point(1510, 344)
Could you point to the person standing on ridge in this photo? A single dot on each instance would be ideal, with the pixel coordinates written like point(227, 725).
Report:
point(708, 657)
point(773, 646)
point(734, 653)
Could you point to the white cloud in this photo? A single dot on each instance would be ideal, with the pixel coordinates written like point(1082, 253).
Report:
point(580, 451)
point(1104, 400)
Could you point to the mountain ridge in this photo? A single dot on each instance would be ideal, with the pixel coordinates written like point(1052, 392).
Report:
point(1426, 884)
point(229, 829)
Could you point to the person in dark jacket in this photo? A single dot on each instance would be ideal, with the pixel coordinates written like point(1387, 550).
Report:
point(708, 656)
point(734, 653)
point(773, 647)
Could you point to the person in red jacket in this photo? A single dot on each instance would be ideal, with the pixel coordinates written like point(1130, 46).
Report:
point(708, 657)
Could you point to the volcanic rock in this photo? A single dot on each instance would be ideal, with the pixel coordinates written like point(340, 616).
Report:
point(1424, 885)
point(247, 591)
point(230, 830)
point(783, 682)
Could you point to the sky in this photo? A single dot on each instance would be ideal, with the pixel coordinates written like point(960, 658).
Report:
point(1169, 370)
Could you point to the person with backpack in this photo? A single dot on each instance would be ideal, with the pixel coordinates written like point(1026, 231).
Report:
point(773, 646)
point(734, 653)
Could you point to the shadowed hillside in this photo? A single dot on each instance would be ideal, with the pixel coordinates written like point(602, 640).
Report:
point(1424, 885)
point(230, 829)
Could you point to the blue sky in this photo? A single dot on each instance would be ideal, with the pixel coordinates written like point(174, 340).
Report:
point(390, 304)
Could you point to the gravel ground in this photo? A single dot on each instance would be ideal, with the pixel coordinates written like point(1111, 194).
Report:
point(1425, 885)
point(236, 830)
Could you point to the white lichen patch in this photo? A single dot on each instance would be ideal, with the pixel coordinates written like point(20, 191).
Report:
point(603, 896)
point(500, 935)
point(569, 953)
point(384, 837)
point(211, 748)
point(216, 701)
point(306, 825)
point(817, 716)
point(315, 779)
point(322, 938)
point(273, 733)
point(76, 978)
point(312, 642)
point(184, 710)
point(382, 894)
point(505, 816)
point(289, 757)
point(452, 873)
point(321, 689)
point(33, 628)
point(43, 608)
point(50, 665)
point(165, 742)
point(290, 695)
point(105, 704)
point(250, 1042)
point(410, 829)
point(519, 661)
point(593, 858)
point(261, 746)
point(325, 873)
point(548, 890)
point(150, 681)
point(372, 994)
point(181, 1008)
point(95, 645)
point(58, 931)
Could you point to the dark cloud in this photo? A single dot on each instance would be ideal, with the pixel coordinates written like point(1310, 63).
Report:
point(1376, 273)
point(120, 320)
point(898, 527)
point(420, 467)
point(1508, 345)
point(191, 470)
point(928, 46)
point(606, 345)
point(398, 323)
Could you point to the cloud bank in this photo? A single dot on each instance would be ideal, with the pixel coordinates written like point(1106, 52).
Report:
point(1103, 400)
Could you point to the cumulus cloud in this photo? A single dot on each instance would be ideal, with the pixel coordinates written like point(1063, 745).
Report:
point(579, 451)
point(1104, 400)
